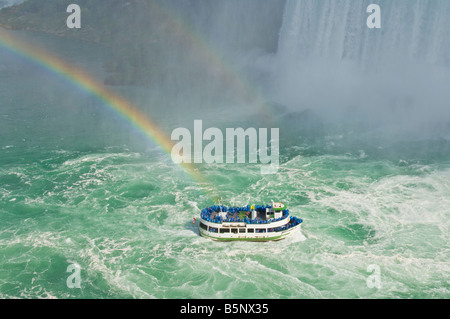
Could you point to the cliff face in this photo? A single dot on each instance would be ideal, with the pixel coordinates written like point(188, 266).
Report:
point(156, 41)
point(50, 17)
point(8, 3)
point(101, 23)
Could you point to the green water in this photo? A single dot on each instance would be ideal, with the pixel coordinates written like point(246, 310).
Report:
point(78, 185)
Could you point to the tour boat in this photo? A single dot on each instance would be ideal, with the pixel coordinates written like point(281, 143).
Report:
point(250, 223)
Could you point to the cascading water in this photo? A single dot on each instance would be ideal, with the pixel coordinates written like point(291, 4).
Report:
point(337, 29)
point(330, 61)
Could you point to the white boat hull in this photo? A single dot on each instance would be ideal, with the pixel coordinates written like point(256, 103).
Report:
point(267, 236)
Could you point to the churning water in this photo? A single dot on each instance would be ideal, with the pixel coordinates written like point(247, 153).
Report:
point(79, 186)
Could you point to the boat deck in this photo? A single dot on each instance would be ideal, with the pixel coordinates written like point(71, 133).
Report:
point(260, 216)
point(236, 223)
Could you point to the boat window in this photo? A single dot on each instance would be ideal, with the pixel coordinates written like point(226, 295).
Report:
point(203, 226)
point(234, 230)
point(213, 230)
point(242, 230)
point(224, 230)
point(250, 230)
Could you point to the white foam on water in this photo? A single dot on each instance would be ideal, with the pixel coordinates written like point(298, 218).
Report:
point(149, 249)
point(34, 239)
point(410, 217)
point(106, 256)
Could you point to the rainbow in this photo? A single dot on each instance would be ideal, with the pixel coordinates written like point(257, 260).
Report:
point(212, 58)
point(127, 110)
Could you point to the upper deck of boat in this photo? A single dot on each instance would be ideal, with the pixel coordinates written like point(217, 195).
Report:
point(260, 216)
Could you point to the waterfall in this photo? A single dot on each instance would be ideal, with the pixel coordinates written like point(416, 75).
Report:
point(411, 29)
point(329, 61)
point(234, 25)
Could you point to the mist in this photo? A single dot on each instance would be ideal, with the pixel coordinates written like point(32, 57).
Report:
point(319, 58)
point(312, 68)
point(394, 79)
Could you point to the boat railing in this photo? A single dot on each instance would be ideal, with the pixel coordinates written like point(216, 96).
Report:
point(206, 214)
point(294, 221)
